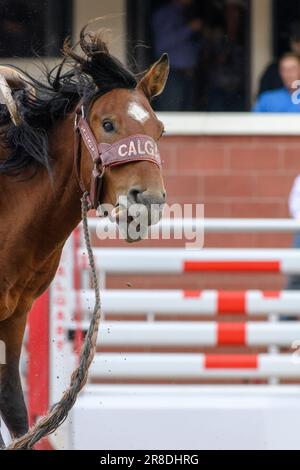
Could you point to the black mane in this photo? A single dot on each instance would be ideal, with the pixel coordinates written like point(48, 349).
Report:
point(76, 78)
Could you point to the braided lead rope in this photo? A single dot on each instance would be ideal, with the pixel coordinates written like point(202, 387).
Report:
point(59, 412)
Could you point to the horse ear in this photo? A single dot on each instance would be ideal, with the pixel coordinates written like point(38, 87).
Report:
point(154, 80)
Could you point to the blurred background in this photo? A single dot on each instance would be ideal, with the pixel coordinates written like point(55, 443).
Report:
point(221, 49)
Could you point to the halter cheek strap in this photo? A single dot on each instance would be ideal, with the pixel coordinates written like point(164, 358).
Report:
point(134, 148)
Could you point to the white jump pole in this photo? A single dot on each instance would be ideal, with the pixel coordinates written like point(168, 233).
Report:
point(196, 303)
point(194, 366)
point(195, 334)
point(216, 225)
point(175, 261)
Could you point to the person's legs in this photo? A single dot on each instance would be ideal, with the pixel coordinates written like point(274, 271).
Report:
point(178, 93)
point(293, 281)
point(188, 97)
point(216, 100)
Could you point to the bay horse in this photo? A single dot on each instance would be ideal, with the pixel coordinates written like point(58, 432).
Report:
point(41, 187)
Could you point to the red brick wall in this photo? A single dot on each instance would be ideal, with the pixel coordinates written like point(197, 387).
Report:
point(233, 177)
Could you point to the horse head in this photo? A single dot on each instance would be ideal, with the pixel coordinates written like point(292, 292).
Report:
point(116, 131)
point(126, 131)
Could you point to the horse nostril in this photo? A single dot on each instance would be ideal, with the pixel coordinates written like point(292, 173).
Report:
point(133, 195)
point(148, 198)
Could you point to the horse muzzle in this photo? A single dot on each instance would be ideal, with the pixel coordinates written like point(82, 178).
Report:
point(136, 212)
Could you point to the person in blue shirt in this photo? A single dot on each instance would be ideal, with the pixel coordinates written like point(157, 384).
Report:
point(287, 98)
point(271, 79)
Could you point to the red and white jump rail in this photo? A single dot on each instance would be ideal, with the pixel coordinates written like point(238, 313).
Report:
point(66, 298)
point(197, 303)
point(175, 261)
point(185, 366)
point(195, 334)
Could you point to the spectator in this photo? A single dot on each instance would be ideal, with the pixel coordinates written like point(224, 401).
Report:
point(227, 80)
point(293, 282)
point(16, 29)
point(271, 79)
point(177, 34)
point(280, 100)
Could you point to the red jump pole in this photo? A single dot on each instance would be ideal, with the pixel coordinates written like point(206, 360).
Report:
point(38, 363)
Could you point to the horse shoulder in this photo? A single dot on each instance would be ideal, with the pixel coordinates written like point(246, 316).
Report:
point(18, 295)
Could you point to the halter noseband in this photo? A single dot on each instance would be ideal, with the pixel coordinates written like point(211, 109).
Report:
point(138, 147)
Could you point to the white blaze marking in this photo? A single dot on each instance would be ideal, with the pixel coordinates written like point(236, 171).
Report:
point(137, 112)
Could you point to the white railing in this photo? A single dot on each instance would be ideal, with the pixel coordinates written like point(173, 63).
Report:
point(195, 334)
point(177, 260)
point(195, 303)
point(217, 225)
point(187, 366)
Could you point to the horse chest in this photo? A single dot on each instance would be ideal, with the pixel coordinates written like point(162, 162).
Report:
point(20, 287)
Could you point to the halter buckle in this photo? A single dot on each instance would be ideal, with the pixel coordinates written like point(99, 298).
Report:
point(80, 112)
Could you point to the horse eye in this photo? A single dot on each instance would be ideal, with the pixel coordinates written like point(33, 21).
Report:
point(108, 126)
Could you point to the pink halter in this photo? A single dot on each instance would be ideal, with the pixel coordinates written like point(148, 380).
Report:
point(134, 148)
point(131, 149)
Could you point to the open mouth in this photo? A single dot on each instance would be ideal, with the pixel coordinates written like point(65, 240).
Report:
point(119, 213)
point(134, 227)
point(133, 220)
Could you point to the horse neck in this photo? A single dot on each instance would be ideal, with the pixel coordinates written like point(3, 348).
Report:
point(48, 208)
point(64, 193)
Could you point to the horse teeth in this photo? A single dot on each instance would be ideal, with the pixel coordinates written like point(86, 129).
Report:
point(115, 212)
